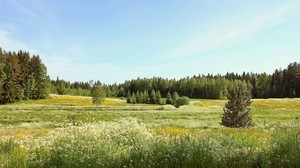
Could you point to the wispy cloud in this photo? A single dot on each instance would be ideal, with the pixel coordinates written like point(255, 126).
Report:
point(7, 42)
point(23, 8)
point(106, 72)
point(206, 41)
point(33, 9)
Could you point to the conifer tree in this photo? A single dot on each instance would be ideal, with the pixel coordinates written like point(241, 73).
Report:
point(152, 99)
point(138, 97)
point(236, 111)
point(157, 97)
point(146, 97)
point(133, 98)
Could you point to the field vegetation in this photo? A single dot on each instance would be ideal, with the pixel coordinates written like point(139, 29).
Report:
point(68, 131)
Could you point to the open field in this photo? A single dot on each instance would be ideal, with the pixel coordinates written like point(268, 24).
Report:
point(68, 131)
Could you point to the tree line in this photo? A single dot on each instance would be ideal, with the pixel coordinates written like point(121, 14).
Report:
point(22, 77)
point(280, 84)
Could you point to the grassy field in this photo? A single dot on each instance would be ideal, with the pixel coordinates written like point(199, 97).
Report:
point(68, 131)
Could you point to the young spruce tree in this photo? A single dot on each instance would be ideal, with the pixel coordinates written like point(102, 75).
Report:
point(236, 111)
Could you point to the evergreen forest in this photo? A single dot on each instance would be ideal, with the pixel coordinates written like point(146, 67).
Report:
point(24, 76)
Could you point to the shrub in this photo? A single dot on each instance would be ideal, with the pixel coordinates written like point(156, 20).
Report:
point(181, 101)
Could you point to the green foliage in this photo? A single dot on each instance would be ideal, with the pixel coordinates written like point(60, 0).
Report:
point(169, 99)
point(158, 98)
point(133, 99)
point(237, 112)
point(128, 97)
point(139, 97)
point(22, 77)
point(152, 99)
point(128, 143)
point(181, 101)
point(175, 96)
point(145, 97)
point(98, 95)
point(61, 88)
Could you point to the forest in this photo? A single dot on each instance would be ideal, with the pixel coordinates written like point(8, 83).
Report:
point(23, 77)
point(283, 83)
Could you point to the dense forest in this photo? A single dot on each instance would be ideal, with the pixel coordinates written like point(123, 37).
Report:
point(281, 84)
point(25, 77)
point(22, 77)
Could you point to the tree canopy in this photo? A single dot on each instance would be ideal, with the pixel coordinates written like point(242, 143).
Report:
point(22, 77)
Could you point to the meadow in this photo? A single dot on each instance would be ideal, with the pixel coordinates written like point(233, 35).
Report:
point(68, 131)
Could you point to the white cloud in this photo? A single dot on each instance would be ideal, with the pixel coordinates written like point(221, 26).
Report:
point(67, 69)
point(8, 43)
point(220, 36)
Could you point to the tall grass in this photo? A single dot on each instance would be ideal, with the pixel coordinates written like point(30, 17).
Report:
point(129, 143)
point(67, 131)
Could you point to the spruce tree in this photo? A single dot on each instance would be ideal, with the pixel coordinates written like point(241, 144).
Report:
point(152, 99)
point(236, 111)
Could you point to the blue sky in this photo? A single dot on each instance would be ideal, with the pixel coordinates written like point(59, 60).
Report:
point(117, 40)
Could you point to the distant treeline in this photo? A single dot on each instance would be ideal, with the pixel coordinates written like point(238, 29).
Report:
point(281, 84)
point(22, 77)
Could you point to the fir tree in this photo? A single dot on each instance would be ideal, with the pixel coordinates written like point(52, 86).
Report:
point(236, 111)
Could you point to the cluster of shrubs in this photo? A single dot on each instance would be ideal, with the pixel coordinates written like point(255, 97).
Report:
point(155, 98)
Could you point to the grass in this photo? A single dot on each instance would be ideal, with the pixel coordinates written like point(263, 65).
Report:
point(68, 131)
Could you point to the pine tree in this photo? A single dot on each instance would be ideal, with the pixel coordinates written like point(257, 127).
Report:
point(236, 111)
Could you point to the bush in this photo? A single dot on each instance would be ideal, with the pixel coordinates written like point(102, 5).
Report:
point(181, 101)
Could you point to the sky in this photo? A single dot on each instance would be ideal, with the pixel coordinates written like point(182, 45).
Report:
point(117, 40)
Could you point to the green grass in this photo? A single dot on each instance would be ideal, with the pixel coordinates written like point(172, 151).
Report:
point(68, 131)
